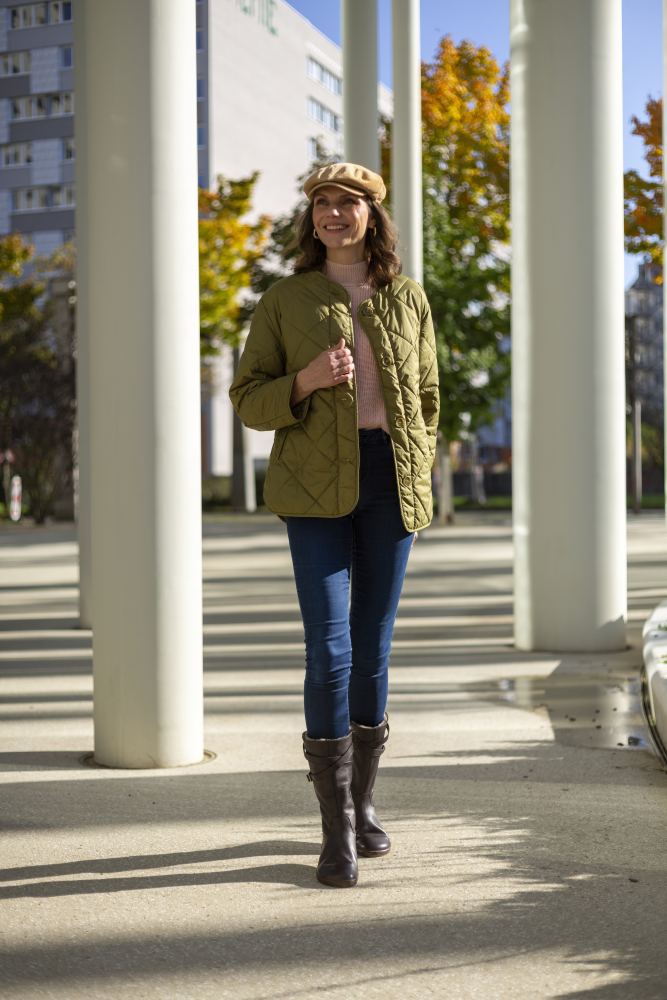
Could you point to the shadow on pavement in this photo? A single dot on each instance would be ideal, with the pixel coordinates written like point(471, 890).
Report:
point(508, 847)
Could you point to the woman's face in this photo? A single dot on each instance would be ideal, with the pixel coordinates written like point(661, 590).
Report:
point(341, 220)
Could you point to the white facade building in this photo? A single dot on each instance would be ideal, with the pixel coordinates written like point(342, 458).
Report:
point(271, 90)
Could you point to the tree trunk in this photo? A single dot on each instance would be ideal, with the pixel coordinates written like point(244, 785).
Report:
point(445, 484)
point(244, 496)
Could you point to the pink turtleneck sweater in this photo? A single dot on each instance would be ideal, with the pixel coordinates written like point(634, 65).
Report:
point(370, 402)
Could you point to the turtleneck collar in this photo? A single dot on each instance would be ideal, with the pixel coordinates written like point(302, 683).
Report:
point(348, 274)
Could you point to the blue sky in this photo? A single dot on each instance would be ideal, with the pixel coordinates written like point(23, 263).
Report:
point(486, 22)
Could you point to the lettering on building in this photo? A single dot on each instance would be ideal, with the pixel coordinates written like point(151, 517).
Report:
point(262, 10)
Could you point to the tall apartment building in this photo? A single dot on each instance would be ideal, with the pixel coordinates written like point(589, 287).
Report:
point(37, 122)
point(269, 90)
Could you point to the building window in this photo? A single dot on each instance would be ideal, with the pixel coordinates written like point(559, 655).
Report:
point(316, 71)
point(16, 154)
point(28, 107)
point(36, 199)
point(59, 11)
point(62, 104)
point(42, 106)
point(66, 57)
point(68, 148)
point(12, 63)
point(324, 115)
point(201, 135)
point(200, 88)
point(200, 40)
point(63, 196)
point(30, 199)
point(33, 15)
point(29, 15)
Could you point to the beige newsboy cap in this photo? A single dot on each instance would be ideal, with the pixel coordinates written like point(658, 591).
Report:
point(350, 177)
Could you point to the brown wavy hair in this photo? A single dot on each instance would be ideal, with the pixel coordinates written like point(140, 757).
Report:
point(384, 264)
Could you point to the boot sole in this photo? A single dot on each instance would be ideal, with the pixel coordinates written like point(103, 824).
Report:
point(371, 854)
point(336, 885)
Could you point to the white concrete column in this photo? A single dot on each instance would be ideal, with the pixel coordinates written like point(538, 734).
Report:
point(567, 325)
point(137, 225)
point(360, 82)
point(406, 150)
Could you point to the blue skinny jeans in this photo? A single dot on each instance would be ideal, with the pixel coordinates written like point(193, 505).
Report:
point(349, 573)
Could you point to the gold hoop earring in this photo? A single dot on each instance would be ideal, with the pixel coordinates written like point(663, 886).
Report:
point(315, 236)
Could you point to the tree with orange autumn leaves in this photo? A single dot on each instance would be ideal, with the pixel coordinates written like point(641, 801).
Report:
point(644, 196)
point(230, 247)
point(465, 157)
point(465, 120)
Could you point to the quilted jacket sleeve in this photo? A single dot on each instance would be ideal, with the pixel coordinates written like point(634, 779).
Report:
point(429, 388)
point(261, 390)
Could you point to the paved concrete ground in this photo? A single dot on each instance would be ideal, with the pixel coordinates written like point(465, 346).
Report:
point(527, 813)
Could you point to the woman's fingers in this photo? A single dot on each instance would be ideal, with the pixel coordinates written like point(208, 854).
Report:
point(344, 352)
point(342, 363)
point(332, 366)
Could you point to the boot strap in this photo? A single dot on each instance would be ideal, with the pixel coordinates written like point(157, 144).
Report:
point(333, 761)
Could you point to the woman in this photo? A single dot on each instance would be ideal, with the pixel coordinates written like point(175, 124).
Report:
point(340, 363)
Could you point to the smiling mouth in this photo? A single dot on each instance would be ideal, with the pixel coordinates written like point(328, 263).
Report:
point(335, 229)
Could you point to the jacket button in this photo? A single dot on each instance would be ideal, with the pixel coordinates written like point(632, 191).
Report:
point(386, 360)
point(405, 480)
point(399, 421)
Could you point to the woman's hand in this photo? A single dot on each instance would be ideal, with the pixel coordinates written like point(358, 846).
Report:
point(332, 367)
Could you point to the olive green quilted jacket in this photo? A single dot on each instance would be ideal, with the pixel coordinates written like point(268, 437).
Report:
point(314, 464)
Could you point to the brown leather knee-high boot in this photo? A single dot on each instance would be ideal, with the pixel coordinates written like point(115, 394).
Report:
point(331, 774)
point(369, 743)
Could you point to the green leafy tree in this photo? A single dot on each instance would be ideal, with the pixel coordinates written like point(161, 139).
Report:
point(37, 382)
